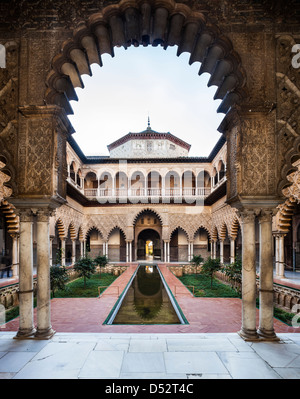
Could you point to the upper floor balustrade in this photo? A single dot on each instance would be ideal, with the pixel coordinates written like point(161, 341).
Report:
point(149, 188)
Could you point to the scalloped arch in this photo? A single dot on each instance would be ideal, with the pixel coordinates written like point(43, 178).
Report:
point(158, 22)
point(223, 231)
point(204, 228)
point(149, 210)
point(235, 225)
point(116, 228)
point(93, 228)
point(11, 217)
point(72, 231)
point(61, 228)
point(179, 228)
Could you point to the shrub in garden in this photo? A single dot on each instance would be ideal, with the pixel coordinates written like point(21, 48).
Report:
point(85, 267)
point(58, 278)
point(101, 260)
point(209, 267)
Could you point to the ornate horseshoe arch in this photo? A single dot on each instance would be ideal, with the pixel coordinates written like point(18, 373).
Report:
point(134, 23)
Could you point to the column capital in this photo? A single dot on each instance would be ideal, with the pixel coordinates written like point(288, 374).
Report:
point(14, 235)
point(43, 214)
point(279, 234)
point(25, 214)
point(247, 215)
point(265, 216)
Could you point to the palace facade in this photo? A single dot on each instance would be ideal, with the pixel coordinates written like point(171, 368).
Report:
point(149, 200)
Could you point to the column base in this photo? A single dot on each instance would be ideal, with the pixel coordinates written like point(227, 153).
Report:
point(248, 335)
point(25, 334)
point(44, 334)
point(267, 335)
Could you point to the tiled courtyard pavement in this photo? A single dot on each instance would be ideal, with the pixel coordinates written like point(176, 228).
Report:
point(204, 315)
point(208, 347)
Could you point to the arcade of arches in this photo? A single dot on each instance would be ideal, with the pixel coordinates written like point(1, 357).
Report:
point(241, 200)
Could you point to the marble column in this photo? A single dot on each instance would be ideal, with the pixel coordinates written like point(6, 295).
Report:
point(232, 250)
point(222, 251)
point(26, 326)
point(44, 328)
point(63, 251)
point(84, 247)
point(127, 251)
point(248, 328)
point(266, 293)
point(214, 249)
point(81, 249)
point(130, 251)
point(165, 251)
point(15, 260)
point(73, 251)
point(281, 255)
point(51, 250)
point(276, 254)
point(191, 249)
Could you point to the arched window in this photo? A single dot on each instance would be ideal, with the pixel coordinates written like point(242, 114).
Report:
point(90, 185)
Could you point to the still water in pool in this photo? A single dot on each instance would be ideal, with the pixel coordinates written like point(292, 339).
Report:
point(146, 301)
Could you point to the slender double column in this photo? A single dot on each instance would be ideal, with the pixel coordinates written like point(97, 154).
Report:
point(232, 249)
point(63, 251)
point(51, 250)
point(44, 328)
point(190, 250)
point(214, 249)
point(167, 251)
point(81, 248)
point(279, 254)
point(266, 293)
point(222, 251)
point(129, 251)
point(248, 329)
point(26, 326)
point(73, 251)
point(15, 254)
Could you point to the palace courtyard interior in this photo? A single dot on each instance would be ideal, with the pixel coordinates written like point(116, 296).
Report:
point(149, 201)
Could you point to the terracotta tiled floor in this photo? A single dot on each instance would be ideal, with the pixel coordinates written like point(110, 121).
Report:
point(205, 315)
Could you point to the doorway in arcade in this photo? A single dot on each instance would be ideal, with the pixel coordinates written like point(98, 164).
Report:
point(149, 245)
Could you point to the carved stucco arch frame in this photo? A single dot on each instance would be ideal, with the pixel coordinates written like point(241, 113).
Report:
point(157, 22)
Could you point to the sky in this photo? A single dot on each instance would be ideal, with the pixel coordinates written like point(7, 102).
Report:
point(141, 82)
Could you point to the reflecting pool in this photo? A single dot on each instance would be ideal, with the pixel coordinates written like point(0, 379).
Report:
point(146, 300)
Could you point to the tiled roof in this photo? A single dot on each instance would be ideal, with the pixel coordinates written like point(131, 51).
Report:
point(148, 134)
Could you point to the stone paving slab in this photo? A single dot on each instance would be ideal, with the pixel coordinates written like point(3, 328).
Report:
point(157, 356)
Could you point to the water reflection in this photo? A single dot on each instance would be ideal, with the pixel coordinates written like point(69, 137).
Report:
point(146, 301)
